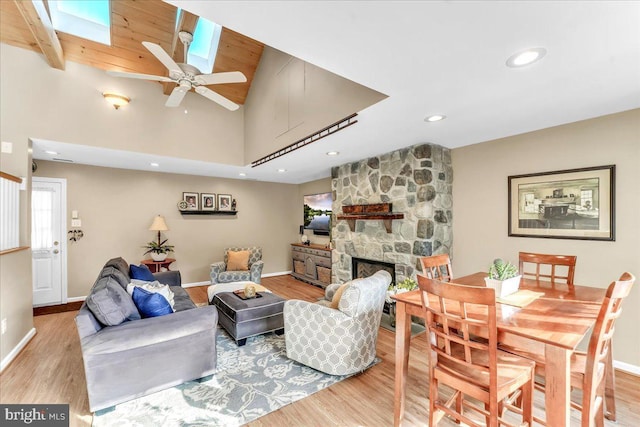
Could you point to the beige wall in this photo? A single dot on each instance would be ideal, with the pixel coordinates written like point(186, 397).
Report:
point(117, 206)
point(480, 205)
point(15, 268)
point(67, 106)
point(291, 99)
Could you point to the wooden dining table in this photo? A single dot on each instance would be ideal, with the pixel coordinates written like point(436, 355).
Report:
point(557, 320)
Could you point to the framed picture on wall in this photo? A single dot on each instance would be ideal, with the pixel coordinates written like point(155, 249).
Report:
point(566, 204)
point(192, 201)
point(208, 201)
point(224, 202)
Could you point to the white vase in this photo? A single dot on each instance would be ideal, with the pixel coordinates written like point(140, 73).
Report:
point(158, 257)
point(504, 287)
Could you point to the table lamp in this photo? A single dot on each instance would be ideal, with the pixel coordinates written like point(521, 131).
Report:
point(158, 225)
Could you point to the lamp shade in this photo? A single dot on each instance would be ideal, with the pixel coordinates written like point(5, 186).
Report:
point(158, 224)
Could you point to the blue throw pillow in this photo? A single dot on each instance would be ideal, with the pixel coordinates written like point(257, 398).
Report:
point(141, 272)
point(151, 304)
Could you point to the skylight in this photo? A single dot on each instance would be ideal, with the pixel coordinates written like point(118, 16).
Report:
point(89, 19)
point(202, 52)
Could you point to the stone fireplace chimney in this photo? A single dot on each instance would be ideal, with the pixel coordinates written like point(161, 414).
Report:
point(417, 182)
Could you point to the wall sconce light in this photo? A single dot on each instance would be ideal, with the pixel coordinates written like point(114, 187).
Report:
point(116, 100)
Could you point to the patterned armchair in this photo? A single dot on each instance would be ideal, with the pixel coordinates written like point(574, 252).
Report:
point(219, 273)
point(337, 341)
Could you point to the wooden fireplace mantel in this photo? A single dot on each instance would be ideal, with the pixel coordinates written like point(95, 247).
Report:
point(378, 211)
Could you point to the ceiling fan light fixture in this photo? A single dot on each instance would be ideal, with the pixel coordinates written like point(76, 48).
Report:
point(526, 57)
point(186, 77)
point(115, 99)
point(185, 85)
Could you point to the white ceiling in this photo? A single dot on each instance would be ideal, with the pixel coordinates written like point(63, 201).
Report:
point(443, 57)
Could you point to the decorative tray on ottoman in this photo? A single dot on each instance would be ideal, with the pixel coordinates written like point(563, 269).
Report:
point(240, 294)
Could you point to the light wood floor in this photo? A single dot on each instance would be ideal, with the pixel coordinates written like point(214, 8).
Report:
point(50, 370)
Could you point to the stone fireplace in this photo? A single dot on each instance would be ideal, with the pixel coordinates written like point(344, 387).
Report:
point(417, 182)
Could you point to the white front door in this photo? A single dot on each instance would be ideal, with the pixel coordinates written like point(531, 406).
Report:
point(48, 241)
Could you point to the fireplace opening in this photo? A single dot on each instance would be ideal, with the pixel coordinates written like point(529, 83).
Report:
point(361, 267)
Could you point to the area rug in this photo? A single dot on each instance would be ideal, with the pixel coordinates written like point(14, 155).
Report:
point(251, 381)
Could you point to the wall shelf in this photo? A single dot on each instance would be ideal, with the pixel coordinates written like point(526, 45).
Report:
point(208, 212)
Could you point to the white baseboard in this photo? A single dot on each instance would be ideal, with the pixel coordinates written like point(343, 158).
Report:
point(13, 353)
point(191, 285)
point(627, 367)
point(281, 273)
point(76, 299)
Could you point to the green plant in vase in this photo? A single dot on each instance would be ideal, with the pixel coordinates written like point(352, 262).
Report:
point(406, 285)
point(158, 250)
point(501, 270)
point(503, 277)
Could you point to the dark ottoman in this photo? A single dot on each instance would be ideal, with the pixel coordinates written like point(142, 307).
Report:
point(246, 318)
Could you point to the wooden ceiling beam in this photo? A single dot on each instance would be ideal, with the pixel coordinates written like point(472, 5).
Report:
point(36, 17)
point(187, 22)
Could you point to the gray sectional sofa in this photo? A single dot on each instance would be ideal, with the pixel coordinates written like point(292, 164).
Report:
point(140, 356)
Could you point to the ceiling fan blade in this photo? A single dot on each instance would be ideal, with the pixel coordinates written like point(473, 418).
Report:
point(139, 76)
point(219, 78)
point(208, 93)
point(176, 96)
point(163, 57)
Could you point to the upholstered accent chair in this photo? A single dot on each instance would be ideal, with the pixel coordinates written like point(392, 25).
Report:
point(220, 273)
point(342, 340)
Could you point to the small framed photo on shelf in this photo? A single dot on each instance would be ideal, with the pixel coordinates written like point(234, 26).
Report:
point(224, 202)
point(192, 201)
point(208, 201)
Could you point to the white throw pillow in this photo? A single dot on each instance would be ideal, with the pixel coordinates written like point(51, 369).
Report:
point(155, 287)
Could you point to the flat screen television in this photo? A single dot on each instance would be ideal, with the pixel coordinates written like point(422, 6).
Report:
point(317, 213)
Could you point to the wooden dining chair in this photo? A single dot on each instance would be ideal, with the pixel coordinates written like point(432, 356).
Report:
point(474, 369)
point(548, 267)
point(437, 267)
point(592, 371)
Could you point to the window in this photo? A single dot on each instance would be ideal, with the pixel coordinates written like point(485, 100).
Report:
point(203, 48)
point(9, 211)
point(89, 19)
point(41, 218)
point(586, 199)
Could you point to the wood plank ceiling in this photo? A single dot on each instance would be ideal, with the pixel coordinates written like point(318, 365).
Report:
point(132, 22)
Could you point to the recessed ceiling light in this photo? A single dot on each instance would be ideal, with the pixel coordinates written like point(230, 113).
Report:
point(332, 153)
point(242, 174)
point(53, 153)
point(155, 165)
point(282, 170)
point(526, 57)
point(435, 118)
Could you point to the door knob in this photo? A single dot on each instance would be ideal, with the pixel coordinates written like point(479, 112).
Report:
point(55, 243)
point(55, 251)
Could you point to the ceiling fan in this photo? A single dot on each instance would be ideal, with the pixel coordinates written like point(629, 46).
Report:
point(186, 76)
